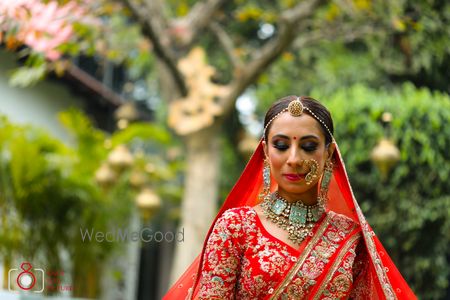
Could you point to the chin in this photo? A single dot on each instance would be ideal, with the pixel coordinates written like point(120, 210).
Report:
point(297, 188)
point(294, 190)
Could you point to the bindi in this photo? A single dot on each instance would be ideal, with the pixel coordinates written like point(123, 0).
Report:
point(294, 137)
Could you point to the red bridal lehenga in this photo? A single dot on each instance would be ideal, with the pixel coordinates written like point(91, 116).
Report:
point(241, 260)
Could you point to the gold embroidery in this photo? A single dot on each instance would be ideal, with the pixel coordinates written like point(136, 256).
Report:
point(379, 268)
point(241, 259)
point(295, 290)
point(336, 264)
point(381, 274)
point(340, 286)
point(317, 236)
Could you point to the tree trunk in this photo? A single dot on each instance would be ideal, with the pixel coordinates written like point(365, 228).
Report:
point(199, 203)
point(200, 195)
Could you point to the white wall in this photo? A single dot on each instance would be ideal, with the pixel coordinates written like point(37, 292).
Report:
point(37, 105)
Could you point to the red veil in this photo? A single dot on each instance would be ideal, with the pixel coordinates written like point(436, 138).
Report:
point(388, 282)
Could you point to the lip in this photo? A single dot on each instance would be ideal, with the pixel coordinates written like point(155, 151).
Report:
point(294, 177)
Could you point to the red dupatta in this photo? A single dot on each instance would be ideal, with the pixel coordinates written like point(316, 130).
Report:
point(388, 283)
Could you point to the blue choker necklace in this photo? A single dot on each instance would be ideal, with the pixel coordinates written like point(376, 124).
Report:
point(297, 218)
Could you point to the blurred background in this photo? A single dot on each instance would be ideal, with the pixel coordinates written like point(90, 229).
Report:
point(124, 124)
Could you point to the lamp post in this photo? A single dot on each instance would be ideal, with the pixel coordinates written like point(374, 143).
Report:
point(107, 176)
point(385, 154)
point(148, 202)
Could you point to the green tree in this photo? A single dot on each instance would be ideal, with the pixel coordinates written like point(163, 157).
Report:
point(410, 209)
point(49, 192)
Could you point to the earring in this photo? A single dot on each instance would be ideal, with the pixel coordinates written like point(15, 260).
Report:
point(326, 179)
point(266, 178)
point(313, 170)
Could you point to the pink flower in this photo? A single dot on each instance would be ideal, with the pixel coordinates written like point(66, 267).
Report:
point(42, 26)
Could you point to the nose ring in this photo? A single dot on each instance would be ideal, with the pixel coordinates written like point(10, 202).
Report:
point(313, 170)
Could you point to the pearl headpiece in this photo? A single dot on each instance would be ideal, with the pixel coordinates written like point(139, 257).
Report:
point(296, 108)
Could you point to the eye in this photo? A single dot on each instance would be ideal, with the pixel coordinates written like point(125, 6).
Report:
point(280, 145)
point(309, 147)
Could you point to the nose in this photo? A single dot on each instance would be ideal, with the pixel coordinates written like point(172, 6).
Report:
point(294, 159)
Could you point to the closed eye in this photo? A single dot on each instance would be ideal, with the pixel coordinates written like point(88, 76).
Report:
point(280, 146)
point(309, 147)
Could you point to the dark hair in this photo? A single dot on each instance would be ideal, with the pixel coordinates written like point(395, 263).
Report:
point(315, 106)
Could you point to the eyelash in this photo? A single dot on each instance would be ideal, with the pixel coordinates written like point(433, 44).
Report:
point(280, 147)
point(310, 148)
point(307, 148)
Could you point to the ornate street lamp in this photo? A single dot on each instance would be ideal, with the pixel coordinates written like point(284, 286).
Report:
point(105, 176)
point(138, 178)
point(126, 114)
point(148, 203)
point(385, 154)
point(120, 158)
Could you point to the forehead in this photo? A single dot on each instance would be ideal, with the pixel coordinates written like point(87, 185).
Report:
point(299, 126)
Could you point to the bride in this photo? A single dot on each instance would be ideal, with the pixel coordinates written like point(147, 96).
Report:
point(291, 227)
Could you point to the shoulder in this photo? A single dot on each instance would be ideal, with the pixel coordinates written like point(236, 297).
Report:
point(232, 226)
point(238, 213)
point(342, 222)
point(236, 216)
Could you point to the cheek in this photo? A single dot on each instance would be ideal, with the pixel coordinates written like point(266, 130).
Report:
point(276, 160)
point(321, 160)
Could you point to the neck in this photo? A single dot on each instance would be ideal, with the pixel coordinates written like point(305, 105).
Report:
point(308, 198)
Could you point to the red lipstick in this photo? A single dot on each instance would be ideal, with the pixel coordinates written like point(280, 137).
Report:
point(293, 177)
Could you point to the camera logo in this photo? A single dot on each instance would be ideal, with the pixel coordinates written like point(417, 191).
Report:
point(26, 278)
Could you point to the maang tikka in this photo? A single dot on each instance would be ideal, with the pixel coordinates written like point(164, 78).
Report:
point(296, 109)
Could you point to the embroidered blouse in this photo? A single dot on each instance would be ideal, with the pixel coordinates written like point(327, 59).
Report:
point(242, 260)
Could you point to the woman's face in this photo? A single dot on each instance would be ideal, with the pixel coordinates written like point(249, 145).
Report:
point(292, 141)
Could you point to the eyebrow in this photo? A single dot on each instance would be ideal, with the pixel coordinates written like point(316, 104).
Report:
point(302, 138)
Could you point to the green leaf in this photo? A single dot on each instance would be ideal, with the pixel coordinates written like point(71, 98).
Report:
point(147, 131)
point(27, 76)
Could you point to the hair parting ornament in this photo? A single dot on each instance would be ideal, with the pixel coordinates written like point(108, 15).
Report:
point(296, 109)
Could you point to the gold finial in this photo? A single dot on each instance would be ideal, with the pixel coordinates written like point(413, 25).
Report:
point(295, 108)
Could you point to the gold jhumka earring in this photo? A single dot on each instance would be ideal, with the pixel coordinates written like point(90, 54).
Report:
point(325, 183)
point(266, 179)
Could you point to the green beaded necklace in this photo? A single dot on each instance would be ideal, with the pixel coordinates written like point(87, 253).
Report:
point(297, 218)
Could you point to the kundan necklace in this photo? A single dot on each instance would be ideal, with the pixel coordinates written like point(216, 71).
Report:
point(297, 218)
